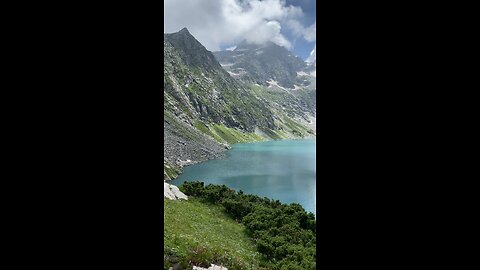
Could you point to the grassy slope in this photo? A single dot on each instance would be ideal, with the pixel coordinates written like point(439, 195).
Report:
point(191, 223)
point(224, 134)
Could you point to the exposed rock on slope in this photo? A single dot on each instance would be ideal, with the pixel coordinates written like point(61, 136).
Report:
point(173, 193)
point(184, 145)
point(261, 63)
point(283, 81)
point(198, 87)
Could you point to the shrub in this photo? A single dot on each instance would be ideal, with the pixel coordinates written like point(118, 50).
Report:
point(192, 188)
point(284, 233)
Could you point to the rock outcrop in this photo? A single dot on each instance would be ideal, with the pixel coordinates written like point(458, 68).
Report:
point(172, 192)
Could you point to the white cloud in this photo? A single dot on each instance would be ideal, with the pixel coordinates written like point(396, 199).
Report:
point(218, 23)
point(298, 30)
point(296, 27)
point(269, 31)
point(310, 33)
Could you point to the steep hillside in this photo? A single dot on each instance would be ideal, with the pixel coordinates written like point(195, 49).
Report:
point(197, 83)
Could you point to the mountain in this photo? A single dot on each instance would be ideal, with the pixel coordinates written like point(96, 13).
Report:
point(206, 109)
point(284, 81)
point(263, 64)
point(199, 84)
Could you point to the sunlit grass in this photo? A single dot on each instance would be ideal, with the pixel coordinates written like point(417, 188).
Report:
point(191, 223)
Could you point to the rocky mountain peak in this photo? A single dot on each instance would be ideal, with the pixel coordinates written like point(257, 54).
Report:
point(262, 63)
point(184, 31)
point(192, 52)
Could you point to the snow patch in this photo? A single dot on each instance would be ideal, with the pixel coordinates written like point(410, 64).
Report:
point(302, 73)
point(296, 87)
point(240, 72)
point(275, 83)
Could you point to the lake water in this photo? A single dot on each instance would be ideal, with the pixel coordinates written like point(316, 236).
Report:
point(283, 170)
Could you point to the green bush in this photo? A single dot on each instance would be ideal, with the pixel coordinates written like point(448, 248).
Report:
point(285, 234)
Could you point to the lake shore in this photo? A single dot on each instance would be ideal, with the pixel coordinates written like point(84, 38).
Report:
point(290, 174)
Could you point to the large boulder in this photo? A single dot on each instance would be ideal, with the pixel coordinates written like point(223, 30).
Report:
point(172, 192)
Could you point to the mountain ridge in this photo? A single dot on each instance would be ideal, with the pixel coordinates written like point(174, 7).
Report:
point(261, 63)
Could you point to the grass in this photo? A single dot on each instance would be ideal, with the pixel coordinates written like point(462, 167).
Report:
point(273, 134)
point(190, 226)
point(206, 130)
point(224, 134)
point(295, 127)
point(171, 171)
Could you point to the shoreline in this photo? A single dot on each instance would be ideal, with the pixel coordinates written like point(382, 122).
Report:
point(229, 148)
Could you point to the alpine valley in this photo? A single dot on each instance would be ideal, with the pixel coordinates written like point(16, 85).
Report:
point(215, 99)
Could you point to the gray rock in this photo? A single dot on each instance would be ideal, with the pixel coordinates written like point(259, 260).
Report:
point(173, 193)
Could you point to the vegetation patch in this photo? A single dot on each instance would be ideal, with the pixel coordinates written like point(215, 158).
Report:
point(273, 134)
point(207, 131)
point(196, 233)
point(295, 128)
point(232, 136)
point(171, 171)
point(284, 234)
point(224, 134)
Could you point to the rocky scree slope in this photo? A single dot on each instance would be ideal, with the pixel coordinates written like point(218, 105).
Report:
point(285, 82)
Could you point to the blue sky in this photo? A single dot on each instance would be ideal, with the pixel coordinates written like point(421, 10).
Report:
point(302, 47)
point(220, 24)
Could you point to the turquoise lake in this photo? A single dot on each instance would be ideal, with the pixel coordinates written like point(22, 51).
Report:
point(284, 170)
